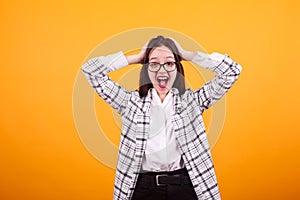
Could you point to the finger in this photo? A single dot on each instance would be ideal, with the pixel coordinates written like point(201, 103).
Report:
point(145, 46)
point(179, 47)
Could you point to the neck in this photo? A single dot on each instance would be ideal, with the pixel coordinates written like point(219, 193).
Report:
point(162, 96)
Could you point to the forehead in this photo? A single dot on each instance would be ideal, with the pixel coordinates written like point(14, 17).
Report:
point(161, 52)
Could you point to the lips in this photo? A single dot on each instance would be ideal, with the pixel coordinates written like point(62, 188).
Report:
point(162, 81)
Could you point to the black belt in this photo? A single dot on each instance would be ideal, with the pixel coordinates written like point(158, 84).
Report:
point(178, 177)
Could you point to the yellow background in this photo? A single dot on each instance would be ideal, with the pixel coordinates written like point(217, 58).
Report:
point(43, 45)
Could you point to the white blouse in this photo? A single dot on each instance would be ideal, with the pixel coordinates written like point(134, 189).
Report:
point(162, 152)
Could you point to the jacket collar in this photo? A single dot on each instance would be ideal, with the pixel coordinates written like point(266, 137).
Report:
point(177, 100)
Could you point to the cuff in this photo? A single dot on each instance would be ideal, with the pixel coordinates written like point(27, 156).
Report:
point(208, 61)
point(118, 60)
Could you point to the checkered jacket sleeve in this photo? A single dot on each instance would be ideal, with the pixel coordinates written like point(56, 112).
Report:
point(227, 72)
point(96, 70)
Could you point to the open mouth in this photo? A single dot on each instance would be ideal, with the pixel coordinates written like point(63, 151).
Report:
point(162, 81)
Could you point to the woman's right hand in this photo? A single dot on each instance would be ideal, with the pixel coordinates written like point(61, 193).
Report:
point(137, 58)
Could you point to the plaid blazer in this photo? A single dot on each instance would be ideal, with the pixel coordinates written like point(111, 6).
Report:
point(187, 121)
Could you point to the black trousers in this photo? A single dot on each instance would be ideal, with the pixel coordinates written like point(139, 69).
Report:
point(175, 185)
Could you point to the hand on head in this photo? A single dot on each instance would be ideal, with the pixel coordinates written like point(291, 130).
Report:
point(185, 55)
point(138, 58)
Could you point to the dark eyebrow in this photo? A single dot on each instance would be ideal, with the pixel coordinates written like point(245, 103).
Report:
point(153, 58)
point(170, 57)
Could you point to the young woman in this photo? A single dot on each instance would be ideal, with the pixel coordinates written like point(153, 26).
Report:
point(164, 151)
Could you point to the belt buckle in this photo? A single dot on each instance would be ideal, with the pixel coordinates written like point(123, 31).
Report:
point(157, 182)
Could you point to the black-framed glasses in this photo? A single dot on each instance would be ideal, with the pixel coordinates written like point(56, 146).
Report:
point(155, 67)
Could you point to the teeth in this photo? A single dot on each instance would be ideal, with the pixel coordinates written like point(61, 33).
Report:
point(162, 78)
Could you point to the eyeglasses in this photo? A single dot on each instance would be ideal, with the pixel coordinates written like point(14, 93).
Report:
point(155, 67)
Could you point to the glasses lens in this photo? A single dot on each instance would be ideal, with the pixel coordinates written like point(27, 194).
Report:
point(169, 66)
point(154, 66)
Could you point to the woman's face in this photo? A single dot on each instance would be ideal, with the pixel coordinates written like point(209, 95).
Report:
point(162, 80)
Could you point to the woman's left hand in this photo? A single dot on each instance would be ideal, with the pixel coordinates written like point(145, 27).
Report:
point(185, 55)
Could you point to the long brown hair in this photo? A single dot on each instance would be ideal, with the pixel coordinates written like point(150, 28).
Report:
point(145, 82)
